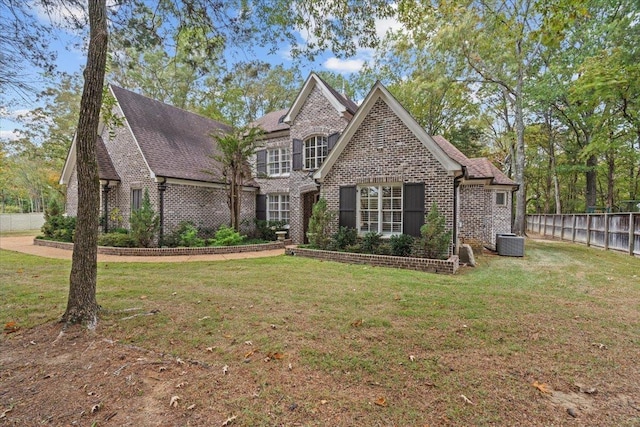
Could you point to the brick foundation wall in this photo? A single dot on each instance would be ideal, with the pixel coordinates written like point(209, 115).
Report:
point(209, 250)
point(401, 158)
point(449, 266)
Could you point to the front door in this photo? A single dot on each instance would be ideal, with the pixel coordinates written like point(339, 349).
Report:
point(308, 200)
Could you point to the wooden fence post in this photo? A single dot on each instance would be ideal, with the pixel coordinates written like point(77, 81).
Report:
point(632, 234)
point(606, 231)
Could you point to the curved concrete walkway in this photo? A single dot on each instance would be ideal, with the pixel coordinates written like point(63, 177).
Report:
point(25, 245)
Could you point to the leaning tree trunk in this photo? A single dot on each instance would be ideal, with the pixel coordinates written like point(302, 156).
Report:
point(82, 306)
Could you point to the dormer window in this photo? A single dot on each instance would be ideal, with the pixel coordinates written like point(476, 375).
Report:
point(315, 151)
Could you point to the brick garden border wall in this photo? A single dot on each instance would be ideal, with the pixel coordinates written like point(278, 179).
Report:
point(449, 266)
point(209, 250)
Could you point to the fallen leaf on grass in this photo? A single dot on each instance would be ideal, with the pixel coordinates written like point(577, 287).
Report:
point(381, 401)
point(357, 323)
point(412, 358)
point(225, 369)
point(543, 388)
point(229, 420)
point(272, 356)
point(10, 327)
point(95, 408)
point(174, 401)
point(190, 407)
point(466, 399)
point(5, 412)
point(247, 355)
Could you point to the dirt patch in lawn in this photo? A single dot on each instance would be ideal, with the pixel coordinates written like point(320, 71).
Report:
point(79, 377)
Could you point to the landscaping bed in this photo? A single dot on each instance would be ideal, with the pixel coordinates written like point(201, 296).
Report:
point(448, 266)
point(207, 250)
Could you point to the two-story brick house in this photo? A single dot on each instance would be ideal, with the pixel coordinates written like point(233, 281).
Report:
point(376, 167)
point(374, 164)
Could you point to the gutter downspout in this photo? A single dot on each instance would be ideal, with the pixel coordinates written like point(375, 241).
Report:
point(162, 186)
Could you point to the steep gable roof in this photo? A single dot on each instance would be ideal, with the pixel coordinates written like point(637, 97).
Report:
point(380, 92)
point(338, 101)
point(106, 170)
point(174, 142)
point(476, 168)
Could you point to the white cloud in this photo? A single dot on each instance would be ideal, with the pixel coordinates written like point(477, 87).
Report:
point(344, 65)
point(9, 135)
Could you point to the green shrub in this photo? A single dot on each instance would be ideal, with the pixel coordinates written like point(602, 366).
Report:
point(435, 240)
point(319, 225)
point(370, 242)
point(189, 236)
point(227, 236)
point(57, 226)
point(384, 249)
point(117, 239)
point(401, 245)
point(344, 237)
point(144, 223)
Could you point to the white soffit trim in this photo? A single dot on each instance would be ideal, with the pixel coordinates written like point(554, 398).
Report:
point(69, 163)
point(380, 92)
point(312, 81)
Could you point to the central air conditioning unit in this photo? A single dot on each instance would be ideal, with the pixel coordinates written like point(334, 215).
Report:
point(508, 244)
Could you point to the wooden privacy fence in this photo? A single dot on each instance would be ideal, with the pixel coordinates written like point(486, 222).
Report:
point(615, 231)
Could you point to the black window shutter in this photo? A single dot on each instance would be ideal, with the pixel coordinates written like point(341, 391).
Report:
point(347, 216)
point(297, 155)
point(261, 162)
point(261, 207)
point(332, 139)
point(413, 209)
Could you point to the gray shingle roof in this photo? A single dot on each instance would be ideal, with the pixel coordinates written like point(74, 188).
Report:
point(477, 168)
point(271, 122)
point(175, 143)
point(106, 170)
point(351, 106)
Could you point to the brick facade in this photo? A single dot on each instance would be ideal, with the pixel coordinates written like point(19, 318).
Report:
point(400, 158)
point(480, 217)
point(205, 206)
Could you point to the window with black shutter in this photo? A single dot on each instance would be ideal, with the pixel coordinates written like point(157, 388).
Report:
point(331, 140)
point(261, 162)
point(413, 208)
point(297, 154)
point(347, 214)
point(261, 207)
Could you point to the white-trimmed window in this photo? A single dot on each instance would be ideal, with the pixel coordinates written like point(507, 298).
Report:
point(278, 162)
point(380, 209)
point(278, 207)
point(315, 151)
point(501, 198)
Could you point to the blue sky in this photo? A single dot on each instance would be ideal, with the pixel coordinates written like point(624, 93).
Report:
point(71, 58)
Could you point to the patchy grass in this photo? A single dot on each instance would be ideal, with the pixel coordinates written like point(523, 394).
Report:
point(353, 335)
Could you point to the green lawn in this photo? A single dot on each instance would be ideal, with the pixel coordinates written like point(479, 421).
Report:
point(562, 315)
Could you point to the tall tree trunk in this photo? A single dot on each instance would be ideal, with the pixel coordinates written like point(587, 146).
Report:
point(82, 306)
point(611, 168)
point(521, 196)
point(592, 183)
